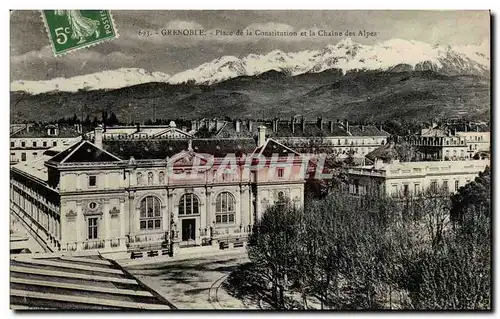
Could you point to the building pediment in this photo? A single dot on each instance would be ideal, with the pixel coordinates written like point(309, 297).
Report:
point(173, 132)
point(189, 159)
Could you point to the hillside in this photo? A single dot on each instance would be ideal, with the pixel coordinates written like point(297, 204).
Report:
point(373, 95)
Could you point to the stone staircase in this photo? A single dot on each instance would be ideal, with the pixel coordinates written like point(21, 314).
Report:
point(77, 283)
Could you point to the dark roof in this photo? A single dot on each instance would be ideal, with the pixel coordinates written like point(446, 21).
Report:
point(385, 152)
point(366, 130)
point(41, 131)
point(312, 129)
point(161, 149)
point(229, 131)
point(84, 152)
point(272, 147)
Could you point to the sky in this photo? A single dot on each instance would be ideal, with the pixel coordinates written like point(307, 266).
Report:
point(32, 57)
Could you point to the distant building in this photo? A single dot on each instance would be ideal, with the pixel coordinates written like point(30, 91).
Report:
point(396, 178)
point(332, 137)
point(454, 141)
point(29, 141)
point(144, 132)
point(148, 194)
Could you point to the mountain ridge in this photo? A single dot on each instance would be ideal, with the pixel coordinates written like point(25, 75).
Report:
point(346, 56)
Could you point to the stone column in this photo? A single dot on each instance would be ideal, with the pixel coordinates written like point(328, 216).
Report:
point(174, 229)
point(79, 221)
point(209, 218)
point(122, 223)
point(130, 213)
point(106, 221)
point(244, 209)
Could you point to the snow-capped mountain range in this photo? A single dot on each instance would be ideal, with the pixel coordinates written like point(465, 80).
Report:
point(346, 55)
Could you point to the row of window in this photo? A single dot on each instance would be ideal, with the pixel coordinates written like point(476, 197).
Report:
point(356, 142)
point(34, 144)
point(150, 178)
point(151, 216)
point(189, 204)
point(433, 187)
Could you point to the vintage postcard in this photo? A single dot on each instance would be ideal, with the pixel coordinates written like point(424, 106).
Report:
point(251, 160)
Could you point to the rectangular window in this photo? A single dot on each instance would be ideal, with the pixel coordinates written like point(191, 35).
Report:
point(45, 144)
point(23, 144)
point(92, 228)
point(281, 172)
point(406, 190)
point(35, 155)
point(445, 186)
point(34, 144)
point(434, 185)
point(92, 181)
point(417, 189)
point(54, 143)
point(157, 224)
point(456, 185)
point(226, 218)
point(23, 157)
point(12, 144)
point(395, 189)
point(12, 157)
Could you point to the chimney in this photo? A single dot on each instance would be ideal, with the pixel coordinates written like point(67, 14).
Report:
point(250, 125)
point(98, 136)
point(138, 127)
point(303, 124)
point(275, 124)
point(362, 128)
point(262, 135)
point(331, 126)
point(347, 125)
point(320, 123)
point(477, 128)
point(292, 124)
point(237, 126)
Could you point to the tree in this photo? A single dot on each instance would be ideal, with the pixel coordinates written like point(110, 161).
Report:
point(405, 151)
point(112, 120)
point(273, 248)
point(474, 197)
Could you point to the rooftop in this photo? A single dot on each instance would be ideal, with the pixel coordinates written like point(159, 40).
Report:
point(161, 149)
point(37, 130)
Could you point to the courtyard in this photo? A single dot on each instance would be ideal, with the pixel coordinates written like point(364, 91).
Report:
point(196, 282)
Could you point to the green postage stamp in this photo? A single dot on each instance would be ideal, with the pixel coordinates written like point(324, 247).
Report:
point(75, 29)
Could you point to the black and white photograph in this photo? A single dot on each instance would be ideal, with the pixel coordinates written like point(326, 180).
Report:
point(265, 160)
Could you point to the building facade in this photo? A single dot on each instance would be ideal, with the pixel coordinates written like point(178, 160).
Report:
point(29, 141)
point(405, 178)
point(148, 194)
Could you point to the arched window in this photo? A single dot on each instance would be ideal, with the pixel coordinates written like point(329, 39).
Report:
point(225, 208)
point(150, 178)
point(150, 218)
point(189, 205)
point(161, 177)
point(139, 178)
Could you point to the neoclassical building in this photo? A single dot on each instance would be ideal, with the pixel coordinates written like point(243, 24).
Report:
point(153, 194)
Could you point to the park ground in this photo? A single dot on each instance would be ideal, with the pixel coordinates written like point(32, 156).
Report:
point(198, 282)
